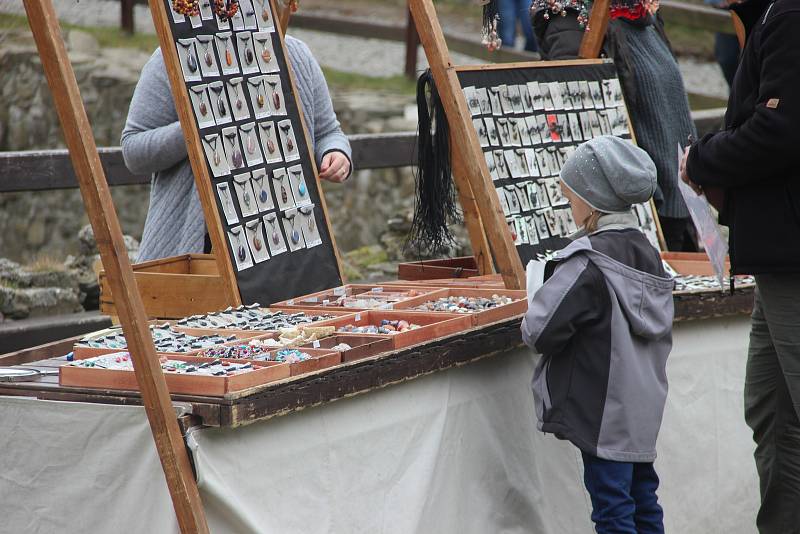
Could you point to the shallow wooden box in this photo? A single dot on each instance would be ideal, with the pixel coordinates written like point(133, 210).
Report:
point(433, 325)
point(321, 358)
point(463, 267)
point(363, 346)
point(325, 299)
point(482, 318)
point(491, 281)
point(337, 314)
point(175, 287)
point(692, 263)
point(213, 386)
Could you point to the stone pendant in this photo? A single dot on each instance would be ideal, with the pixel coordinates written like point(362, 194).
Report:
point(257, 243)
point(251, 145)
point(260, 100)
point(276, 99)
point(221, 107)
point(295, 236)
point(301, 189)
point(270, 146)
point(208, 58)
point(290, 144)
point(242, 253)
point(246, 195)
point(238, 162)
point(284, 194)
point(275, 237)
point(263, 196)
point(265, 14)
point(266, 56)
point(203, 109)
point(228, 57)
point(239, 103)
point(248, 56)
point(311, 223)
point(191, 62)
point(217, 159)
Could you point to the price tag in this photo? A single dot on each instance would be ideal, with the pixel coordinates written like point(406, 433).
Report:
point(290, 302)
point(389, 306)
point(358, 317)
point(316, 344)
point(377, 290)
point(339, 291)
point(312, 299)
point(326, 302)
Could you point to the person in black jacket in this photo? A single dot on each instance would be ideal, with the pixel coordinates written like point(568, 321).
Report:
point(755, 164)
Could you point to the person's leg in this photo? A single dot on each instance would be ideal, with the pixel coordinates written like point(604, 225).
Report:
point(727, 51)
point(507, 25)
point(674, 231)
point(649, 516)
point(609, 486)
point(779, 298)
point(524, 7)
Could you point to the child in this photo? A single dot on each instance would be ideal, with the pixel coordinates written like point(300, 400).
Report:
point(603, 324)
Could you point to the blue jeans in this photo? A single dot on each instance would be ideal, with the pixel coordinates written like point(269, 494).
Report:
point(510, 12)
point(624, 499)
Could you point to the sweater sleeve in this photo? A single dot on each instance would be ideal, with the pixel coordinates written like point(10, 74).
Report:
point(569, 299)
point(765, 144)
point(328, 135)
point(153, 140)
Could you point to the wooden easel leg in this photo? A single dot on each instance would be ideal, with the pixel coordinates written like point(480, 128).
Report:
point(471, 173)
point(472, 220)
point(100, 208)
point(593, 38)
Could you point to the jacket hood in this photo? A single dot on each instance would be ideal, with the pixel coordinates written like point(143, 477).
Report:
point(644, 298)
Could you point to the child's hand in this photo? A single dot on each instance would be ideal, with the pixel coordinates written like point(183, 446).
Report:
point(335, 167)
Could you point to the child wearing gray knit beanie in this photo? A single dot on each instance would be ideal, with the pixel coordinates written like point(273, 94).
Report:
point(610, 175)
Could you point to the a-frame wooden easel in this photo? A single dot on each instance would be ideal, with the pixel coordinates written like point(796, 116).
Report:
point(103, 217)
point(483, 214)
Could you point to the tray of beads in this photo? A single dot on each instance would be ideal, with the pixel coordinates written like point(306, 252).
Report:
point(185, 375)
point(168, 341)
point(354, 346)
point(492, 281)
point(405, 328)
point(355, 297)
point(483, 306)
point(255, 319)
point(300, 361)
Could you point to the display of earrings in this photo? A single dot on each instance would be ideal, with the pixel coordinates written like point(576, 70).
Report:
point(293, 229)
point(283, 189)
point(288, 141)
point(230, 138)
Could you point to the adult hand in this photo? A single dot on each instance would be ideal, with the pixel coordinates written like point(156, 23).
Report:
point(335, 167)
point(685, 175)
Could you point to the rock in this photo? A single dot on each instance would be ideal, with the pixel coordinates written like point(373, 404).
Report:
point(38, 301)
point(82, 43)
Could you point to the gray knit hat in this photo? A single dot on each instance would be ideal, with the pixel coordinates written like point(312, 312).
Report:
point(610, 174)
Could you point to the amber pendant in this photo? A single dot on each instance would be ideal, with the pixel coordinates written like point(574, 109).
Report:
point(260, 100)
point(228, 57)
point(284, 195)
point(257, 243)
point(266, 56)
point(203, 109)
point(290, 144)
point(265, 14)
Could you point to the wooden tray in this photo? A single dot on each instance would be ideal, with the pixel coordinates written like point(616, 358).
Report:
point(518, 307)
point(692, 263)
point(463, 267)
point(433, 325)
point(321, 358)
point(363, 345)
point(337, 313)
point(174, 287)
point(214, 386)
point(325, 299)
point(82, 353)
point(481, 282)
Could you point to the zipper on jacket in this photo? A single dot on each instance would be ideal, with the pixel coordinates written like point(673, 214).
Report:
point(767, 13)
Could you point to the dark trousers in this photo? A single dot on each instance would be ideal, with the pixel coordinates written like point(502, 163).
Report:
point(772, 400)
point(727, 51)
point(678, 234)
point(624, 499)
point(510, 12)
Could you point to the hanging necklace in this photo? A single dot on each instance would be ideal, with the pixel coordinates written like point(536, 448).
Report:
point(309, 214)
point(226, 197)
point(251, 142)
point(228, 55)
point(273, 222)
point(258, 85)
point(255, 228)
point(246, 200)
point(226, 9)
point(295, 235)
point(208, 56)
point(266, 55)
point(191, 61)
point(236, 85)
point(301, 186)
point(199, 91)
point(190, 8)
point(267, 128)
point(221, 107)
point(236, 154)
point(215, 137)
point(248, 49)
point(284, 192)
point(264, 11)
point(263, 196)
point(241, 251)
point(276, 98)
point(286, 128)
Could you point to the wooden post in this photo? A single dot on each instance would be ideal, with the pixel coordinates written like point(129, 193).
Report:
point(471, 174)
point(412, 48)
point(197, 158)
point(595, 34)
point(100, 208)
point(127, 22)
point(284, 15)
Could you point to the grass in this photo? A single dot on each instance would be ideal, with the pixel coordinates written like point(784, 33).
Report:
point(45, 264)
point(347, 81)
point(698, 102)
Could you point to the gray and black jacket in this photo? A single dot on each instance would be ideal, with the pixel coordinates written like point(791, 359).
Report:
point(603, 323)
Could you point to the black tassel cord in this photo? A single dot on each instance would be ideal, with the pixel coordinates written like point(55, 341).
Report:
point(436, 202)
point(491, 12)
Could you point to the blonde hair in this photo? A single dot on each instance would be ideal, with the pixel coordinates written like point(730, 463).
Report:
point(590, 222)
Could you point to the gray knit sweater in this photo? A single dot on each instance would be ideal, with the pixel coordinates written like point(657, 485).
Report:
point(153, 142)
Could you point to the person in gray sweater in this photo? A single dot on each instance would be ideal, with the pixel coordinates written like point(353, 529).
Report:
point(153, 143)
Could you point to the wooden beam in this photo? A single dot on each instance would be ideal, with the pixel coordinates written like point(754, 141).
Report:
point(97, 197)
point(595, 34)
point(412, 48)
point(695, 16)
point(197, 158)
point(126, 12)
point(471, 172)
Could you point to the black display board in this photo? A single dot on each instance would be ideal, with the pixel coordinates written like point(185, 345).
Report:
point(264, 182)
point(529, 120)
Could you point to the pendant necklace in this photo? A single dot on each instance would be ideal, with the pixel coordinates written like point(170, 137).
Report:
point(189, 8)
point(191, 61)
point(248, 49)
point(221, 107)
point(199, 91)
point(263, 196)
point(236, 154)
point(208, 56)
point(255, 227)
point(264, 11)
point(241, 251)
point(259, 86)
point(295, 236)
point(266, 55)
point(226, 9)
point(251, 142)
point(286, 133)
point(309, 214)
point(267, 131)
point(217, 159)
point(238, 102)
point(284, 192)
point(276, 237)
point(301, 186)
point(226, 198)
point(228, 56)
point(276, 98)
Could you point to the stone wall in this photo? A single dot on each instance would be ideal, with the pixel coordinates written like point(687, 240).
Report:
point(47, 223)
